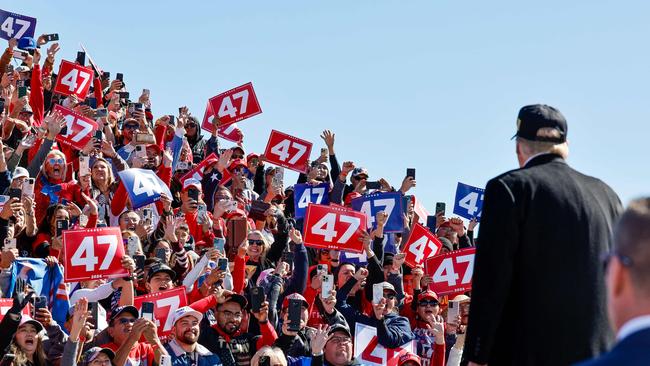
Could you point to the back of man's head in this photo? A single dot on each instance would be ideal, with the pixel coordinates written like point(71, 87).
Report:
point(632, 240)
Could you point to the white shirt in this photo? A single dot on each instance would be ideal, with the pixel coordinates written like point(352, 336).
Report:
point(632, 326)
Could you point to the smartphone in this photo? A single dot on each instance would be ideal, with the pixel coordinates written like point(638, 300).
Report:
point(84, 165)
point(327, 285)
point(193, 194)
point(410, 172)
point(257, 298)
point(222, 264)
point(28, 187)
point(161, 254)
point(138, 107)
point(171, 119)
point(453, 310)
point(139, 261)
point(144, 138)
point(132, 245)
point(373, 185)
point(321, 269)
point(278, 177)
point(377, 293)
point(431, 223)
point(93, 307)
point(201, 213)
point(106, 75)
point(147, 215)
point(440, 207)
point(180, 110)
point(2, 104)
point(237, 229)
point(20, 55)
point(295, 309)
point(119, 76)
point(99, 136)
point(22, 91)
point(15, 193)
point(51, 37)
point(123, 95)
point(405, 203)
point(81, 58)
point(10, 243)
point(91, 102)
point(147, 310)
point(101, 113)
point(165, 360)
point(140, 151)
point(40, 302)
point(219, 244)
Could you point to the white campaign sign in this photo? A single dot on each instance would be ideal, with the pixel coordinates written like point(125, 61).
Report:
point(368, 350)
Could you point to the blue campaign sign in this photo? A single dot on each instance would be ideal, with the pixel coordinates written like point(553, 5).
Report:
point(304, 194)
point(390, 202)
point(354, 258)
point(143, 186)
point(469, 201)
point(16, 26)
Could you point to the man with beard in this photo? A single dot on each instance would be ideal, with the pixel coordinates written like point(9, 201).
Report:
point(183, 348)
point(221, 329)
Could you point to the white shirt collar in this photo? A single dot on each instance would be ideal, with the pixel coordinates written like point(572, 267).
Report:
point(632, 326)
point(533, 157)
point(179, 351)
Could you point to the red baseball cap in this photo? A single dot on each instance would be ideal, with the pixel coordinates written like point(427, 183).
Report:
point(406, 356)
point(295, 296)
point(428, 295)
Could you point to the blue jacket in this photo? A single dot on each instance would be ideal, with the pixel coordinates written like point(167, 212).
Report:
point(392, 331)
point(631, 351)
point(203, 356)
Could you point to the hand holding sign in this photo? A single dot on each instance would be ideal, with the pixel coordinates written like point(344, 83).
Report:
point(304, 194)
point(165, 304)
point(78, 129)
point(420, 245)
point(73, 79)
point(143, 186)
point(16, 26)
point(93, 254)
point(372, 204)
point(233, 106)
point(451, 272)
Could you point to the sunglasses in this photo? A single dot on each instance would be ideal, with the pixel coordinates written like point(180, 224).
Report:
point(390, 296)
point(255, 242)
point(127, 320)
point(131, 127)
point(428, 303)
point(53, 161)
point(190, 125)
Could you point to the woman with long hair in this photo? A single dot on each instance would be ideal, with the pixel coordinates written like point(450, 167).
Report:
point(27, 344)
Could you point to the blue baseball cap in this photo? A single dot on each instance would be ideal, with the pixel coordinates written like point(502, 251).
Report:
point(27, 43)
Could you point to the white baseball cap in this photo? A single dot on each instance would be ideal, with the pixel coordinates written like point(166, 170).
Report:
point(185, 311)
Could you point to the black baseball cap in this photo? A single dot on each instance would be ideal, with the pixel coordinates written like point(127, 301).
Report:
point(160, 267)
point(535, 116)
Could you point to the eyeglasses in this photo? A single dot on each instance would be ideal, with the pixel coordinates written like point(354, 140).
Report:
point(231, 315)
point(53, 161)
point(126, 320)
point(131, 127)
point(625, 260)
point(390, 296)
point(255, 242)
point(341, 340)
point(428, 303)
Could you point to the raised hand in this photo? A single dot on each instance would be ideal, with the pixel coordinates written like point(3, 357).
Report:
point(262, 315)
point(318, 339)
point(328, 137)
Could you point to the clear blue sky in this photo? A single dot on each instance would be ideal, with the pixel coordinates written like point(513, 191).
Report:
point(434, 85)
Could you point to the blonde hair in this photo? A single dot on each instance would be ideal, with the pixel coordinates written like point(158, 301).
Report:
point(274, 353)
point(530, 147)
point(21, 357)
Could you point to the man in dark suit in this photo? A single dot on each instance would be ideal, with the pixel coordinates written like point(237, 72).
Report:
point(628, 288)
point(538, 294)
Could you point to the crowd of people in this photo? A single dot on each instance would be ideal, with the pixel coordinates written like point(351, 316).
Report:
point(178, 242)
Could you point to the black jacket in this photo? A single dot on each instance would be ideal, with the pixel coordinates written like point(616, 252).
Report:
point(538, 294)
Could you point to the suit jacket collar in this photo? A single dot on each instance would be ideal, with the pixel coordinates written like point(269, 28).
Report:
point(544, 159)
point(636, 340)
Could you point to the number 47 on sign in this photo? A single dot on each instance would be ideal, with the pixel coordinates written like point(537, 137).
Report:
point(469, 201)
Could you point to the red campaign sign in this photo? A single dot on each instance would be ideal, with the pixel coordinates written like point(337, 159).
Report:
point(92, 254)
point(79, 129)
point(420, 210)
point(451, 272)
point(73, 79)
point(230, 132)
point(287, 151)
point(164, 305)
point(7, 303)
point(235, 105)
point(197, 171)
point(420, 245)
point(369, 352)
point(328, 227)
